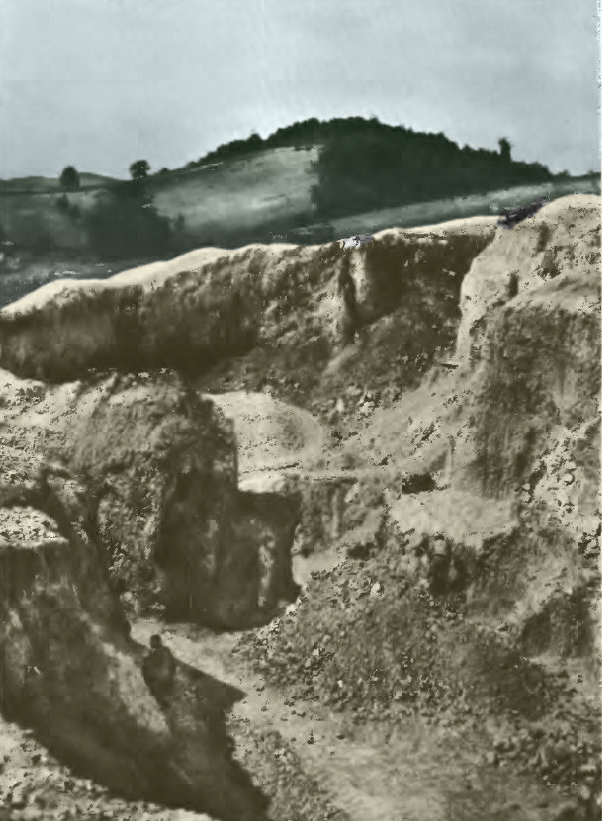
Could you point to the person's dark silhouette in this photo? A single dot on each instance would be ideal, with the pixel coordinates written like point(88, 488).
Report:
point(159, 669)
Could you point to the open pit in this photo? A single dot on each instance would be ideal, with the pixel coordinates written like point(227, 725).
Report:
point(361, 555)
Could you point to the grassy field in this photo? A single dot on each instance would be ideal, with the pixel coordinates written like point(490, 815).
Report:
point(266, 190)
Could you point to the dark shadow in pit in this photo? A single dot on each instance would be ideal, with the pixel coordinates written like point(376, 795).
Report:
point(196, 772)
point(196, 712)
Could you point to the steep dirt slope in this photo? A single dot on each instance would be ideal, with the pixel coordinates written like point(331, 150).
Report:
point(498, 568)
point(563, 238)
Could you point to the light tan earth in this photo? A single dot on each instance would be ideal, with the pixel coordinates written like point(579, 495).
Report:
point(373, 774)
point(270, 433)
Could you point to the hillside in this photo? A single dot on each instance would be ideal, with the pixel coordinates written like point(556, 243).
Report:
point(310, 182)
point(271, 188)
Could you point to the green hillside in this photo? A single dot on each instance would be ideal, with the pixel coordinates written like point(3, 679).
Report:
point(305, 181)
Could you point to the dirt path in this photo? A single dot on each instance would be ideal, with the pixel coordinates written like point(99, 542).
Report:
point(421, 775)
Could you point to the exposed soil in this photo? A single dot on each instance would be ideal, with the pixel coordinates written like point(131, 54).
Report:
point(368, 773)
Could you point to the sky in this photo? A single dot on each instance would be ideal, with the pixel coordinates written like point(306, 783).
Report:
point(100, 83)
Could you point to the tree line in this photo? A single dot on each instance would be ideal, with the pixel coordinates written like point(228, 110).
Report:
point(374, 166)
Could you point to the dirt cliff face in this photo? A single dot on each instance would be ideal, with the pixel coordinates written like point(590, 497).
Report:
point(406, 315)
point(481, 597)
point(540, 374)
point(533, 434)
point(276, 308)
point(71, 673)
point(161, 462)
point(526, 429)
point(562, 238)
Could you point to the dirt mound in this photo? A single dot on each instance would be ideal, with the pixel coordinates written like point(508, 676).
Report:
point(398, 634)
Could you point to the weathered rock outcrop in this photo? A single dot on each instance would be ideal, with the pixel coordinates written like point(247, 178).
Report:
point(526, 430)
point(161, 462)
point(195, 311)
point(562, 238)
point(70, 671)
point(533, 433)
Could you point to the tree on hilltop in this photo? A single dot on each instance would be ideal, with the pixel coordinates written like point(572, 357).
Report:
point(505, 146)
point(139, 170)
point(69, 179)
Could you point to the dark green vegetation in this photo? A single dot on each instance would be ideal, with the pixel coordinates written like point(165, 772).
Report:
point(125, 222)
point(369, 165)
point(298, 135)
point(69, 179)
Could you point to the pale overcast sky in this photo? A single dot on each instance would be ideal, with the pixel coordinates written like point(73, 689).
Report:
point(100, 83)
